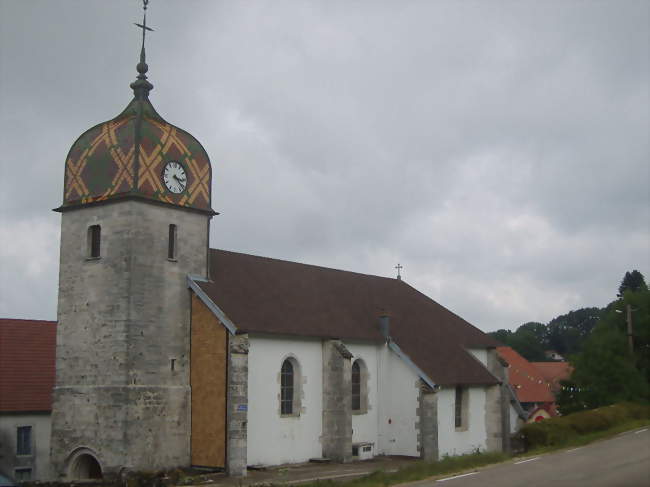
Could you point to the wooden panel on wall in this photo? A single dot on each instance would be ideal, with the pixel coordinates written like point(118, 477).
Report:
point(208, 380)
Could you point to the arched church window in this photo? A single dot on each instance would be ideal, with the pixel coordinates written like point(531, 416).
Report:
point(286, 388)
point(94, 241)
point(359, 387)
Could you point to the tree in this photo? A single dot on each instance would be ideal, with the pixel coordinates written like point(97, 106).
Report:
point(605, 371)
point(566, 333)
point(528, 340)
point(632, 281)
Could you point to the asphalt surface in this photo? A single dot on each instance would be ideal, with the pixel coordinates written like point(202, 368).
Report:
point(622, 461)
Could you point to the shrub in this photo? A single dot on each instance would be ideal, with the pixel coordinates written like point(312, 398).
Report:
point(558, 431)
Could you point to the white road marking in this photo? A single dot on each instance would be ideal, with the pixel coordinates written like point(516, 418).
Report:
point(640, 431)
point(574, 449)
point(302, 481)
point(529, 460)
point(456, 477)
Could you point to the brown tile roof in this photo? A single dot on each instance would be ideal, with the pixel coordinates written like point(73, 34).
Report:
point(27, 351)
point(262, 295)
point(526, 379)
point(554, 372)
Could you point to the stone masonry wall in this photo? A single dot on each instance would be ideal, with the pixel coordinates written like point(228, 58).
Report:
point(497, 435)
point(123, 318)
point(337, 401)
point(237, 421)
point(428, 422)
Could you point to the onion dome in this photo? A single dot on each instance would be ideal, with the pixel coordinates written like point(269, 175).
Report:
point(138, 155)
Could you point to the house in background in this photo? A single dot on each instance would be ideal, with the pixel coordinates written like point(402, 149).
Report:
point(27, 349)
point(554, 373)
point(529, 384)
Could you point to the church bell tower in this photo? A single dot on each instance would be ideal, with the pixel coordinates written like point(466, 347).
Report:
point(134, 223)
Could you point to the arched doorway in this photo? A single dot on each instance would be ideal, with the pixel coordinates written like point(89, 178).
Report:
point(85, 466)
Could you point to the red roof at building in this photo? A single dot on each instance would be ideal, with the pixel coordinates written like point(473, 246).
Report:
point(27, 370)
point(527, 380)
point(554, 372)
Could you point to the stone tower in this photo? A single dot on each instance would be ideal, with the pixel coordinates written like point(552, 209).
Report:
point(134, 223)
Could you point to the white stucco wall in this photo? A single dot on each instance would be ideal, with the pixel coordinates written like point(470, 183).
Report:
point(39, 460)
point(452, 442)
point(480, 354)
point(397, 415)
point(364, 426)
point(273, 440)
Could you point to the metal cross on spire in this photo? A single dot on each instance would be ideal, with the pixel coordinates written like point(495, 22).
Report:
point(144, 28)
point(141, 86)
point(399, 268)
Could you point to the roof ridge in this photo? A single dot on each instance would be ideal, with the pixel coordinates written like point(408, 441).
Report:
point(392, 279)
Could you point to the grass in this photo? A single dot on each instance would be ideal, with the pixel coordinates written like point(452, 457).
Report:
point(418, 471)
point(421, 470)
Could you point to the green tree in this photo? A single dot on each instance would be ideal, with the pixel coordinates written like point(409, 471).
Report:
point(605, 370)
point(566, 333)
point(529, 341)
point(632, 281)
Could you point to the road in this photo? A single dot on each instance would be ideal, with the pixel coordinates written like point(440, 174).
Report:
point(622, 461)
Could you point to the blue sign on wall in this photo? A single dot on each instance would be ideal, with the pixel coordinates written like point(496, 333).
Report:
point(242, 407)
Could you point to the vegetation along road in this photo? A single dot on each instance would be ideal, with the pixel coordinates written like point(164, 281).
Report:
point(622, 461)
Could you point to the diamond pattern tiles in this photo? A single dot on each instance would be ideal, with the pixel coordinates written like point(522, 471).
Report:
point(101, 164)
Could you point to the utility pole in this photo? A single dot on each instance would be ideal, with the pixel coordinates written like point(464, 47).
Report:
point(630, 335)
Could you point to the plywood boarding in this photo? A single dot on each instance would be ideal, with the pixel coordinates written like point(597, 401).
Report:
point(208, 380)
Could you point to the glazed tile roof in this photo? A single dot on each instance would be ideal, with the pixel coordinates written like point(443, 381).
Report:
point(27, 356)
point(527, 380)
point(125, 157)
point(270, 296)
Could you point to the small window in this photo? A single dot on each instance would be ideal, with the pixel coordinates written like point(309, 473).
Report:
point(171, 247)
point(461, 408)
point(356, 386)
point(355, 450)
point(24, 440)
point(23, 474)
point(94, 241)
point(286, 388)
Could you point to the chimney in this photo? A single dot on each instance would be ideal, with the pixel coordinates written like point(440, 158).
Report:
point(384, 325)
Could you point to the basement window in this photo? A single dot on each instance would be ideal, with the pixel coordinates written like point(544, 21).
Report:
point(23, 474)
point(94, 241)
point(171, 246)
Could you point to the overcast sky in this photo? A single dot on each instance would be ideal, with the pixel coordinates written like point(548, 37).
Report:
point(498, 150)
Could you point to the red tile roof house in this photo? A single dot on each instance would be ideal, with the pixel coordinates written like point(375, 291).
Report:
point(554, 373)
point(27, 350)
point(532, 389)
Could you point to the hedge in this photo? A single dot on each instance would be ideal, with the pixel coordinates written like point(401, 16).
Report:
point(559, 430)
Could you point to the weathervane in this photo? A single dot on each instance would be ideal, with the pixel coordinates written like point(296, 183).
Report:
point(141, 85)
point(399, 268)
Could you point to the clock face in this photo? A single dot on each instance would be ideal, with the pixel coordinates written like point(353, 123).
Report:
point(174, 177)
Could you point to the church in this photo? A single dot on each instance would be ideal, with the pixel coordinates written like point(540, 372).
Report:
point(170, 353)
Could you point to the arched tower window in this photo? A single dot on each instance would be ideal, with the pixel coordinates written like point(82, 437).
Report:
point(94, 241)
point(290, 388)
point(359, 384)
